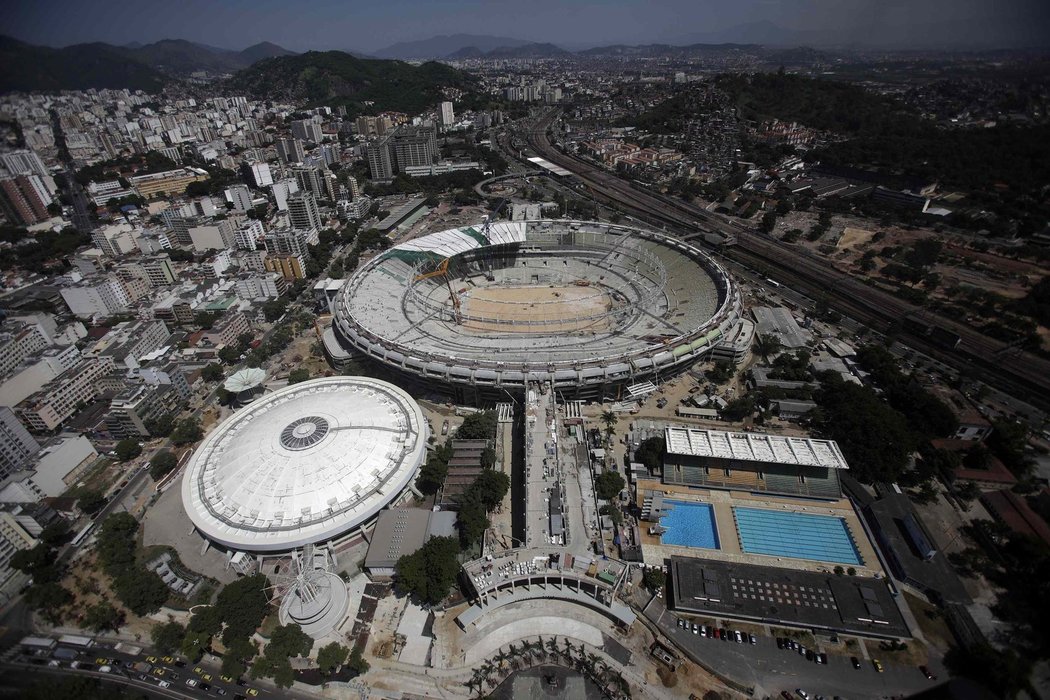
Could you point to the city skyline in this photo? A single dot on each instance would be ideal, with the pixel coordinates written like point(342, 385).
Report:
point(366, 28)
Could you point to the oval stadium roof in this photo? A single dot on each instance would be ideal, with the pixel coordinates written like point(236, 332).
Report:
point(304, 464)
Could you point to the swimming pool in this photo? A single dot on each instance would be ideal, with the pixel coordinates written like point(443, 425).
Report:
point(690, 525)
point(796, 535)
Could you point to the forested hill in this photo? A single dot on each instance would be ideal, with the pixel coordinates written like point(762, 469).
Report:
point(338, 78)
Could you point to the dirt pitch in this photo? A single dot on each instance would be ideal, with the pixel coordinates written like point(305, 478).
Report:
point(559, 307)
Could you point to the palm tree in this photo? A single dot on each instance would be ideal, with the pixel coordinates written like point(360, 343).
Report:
point(569, 647)
point(609, 419)
point(552, 647)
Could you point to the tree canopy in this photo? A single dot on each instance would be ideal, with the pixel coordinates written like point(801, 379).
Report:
point(875, 439)
point(609, 484)
point(162, 463)
point(242, 605)
point(330, 657)
point(430, 572)
point(128, 449)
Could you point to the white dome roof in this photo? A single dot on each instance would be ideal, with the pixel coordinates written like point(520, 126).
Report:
point(305, 464)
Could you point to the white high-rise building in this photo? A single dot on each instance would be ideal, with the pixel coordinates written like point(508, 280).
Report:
point(240, 196)
point(260, 174)
point(282, 190)
point(303, 212)
point(20, 162)
point(248, 236)
point(448, 116)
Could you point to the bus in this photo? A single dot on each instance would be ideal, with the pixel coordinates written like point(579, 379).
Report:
point(772, 282)
point(82, 535)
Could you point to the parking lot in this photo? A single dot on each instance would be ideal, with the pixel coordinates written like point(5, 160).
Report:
point(771, 670)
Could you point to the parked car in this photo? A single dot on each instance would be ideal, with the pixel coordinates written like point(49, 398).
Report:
point(802, 694)
point(855, 661)
point(878, 665)
point(780, 642)
point(926, 672)
point(822, 659)
point(739, 637)
point(752, 638)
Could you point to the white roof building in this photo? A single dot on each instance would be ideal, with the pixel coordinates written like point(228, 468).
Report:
point(754, 447)
point(305, 464)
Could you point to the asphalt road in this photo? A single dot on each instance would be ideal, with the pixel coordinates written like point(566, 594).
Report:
point(172, 672)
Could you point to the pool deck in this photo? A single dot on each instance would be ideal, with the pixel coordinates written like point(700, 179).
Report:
point(723, 501)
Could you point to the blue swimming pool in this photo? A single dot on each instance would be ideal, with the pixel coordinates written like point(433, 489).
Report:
point(796, 535)
point(690, 525)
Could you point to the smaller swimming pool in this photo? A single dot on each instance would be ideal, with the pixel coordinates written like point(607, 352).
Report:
point(796, 535)
point(690, 525)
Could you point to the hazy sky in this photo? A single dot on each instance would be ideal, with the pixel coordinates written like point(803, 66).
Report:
point(367, 26)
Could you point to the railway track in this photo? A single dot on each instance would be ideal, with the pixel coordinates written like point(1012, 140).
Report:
point(1021, 374)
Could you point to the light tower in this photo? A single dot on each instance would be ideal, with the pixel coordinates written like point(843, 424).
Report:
point(311, 594)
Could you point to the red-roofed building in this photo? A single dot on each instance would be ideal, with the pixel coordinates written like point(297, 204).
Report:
point(994, 476)
point(1014, 512)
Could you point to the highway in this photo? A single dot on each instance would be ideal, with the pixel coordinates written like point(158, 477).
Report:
point(1019, 373)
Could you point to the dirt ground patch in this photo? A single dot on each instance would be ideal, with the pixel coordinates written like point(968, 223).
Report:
point(559, 308)
point(853, 237)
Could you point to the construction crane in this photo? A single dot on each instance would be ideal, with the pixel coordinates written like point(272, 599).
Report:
point(442, 271)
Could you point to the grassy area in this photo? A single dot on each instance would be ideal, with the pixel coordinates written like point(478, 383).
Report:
point(931, 622)
point(94, 477)
point(806, 639)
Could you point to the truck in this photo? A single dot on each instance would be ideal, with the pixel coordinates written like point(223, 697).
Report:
point(143, 667)
point(126, 648)
point(73, 640)
point(38, 644)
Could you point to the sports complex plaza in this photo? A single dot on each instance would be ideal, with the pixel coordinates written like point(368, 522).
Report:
point(748, 525)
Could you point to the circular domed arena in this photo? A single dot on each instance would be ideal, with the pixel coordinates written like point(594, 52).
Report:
point(586, 306)
point(306, 464)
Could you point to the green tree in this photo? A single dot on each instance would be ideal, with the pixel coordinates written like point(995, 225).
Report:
point(48, 598)
point(287, 641)
point(167, 637)
point(128, 449)
point(162, 463)
point(489, 488)
point(160, 426)
point(187, 431)
point(609, 484)
point(91, 501)
point(115, 543)
point(769, 222)
point(283, 675)
point(230, 354)
point(38, 562)
point(212, 372)
point(874, 439)
point(298, 375)
point(141, 591)
point(102, 617)
point(330, 657)
point(478, 426)
point(242, 606)
point(357, 662)
point(651, 453)
point(272, 310)
point(654, 579)
point(262, 667)
point(237, 657)
point(430, 572)
point(55, 534)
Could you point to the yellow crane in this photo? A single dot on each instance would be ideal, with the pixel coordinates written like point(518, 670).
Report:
point(442, 271)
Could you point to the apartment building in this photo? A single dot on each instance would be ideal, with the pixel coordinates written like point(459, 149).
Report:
point(169, 182)
point(17, 342)
point(99, 297)
point(60, 398)
point(17, 446)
